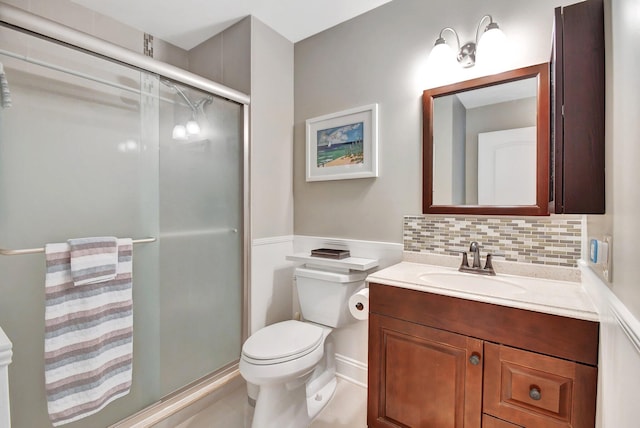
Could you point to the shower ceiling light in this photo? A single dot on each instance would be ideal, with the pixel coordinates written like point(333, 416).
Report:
point(179, 132)
point(192, 127)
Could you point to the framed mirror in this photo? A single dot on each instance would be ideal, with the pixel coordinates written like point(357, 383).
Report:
point(486, 145)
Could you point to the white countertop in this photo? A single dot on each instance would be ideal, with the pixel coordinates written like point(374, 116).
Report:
point(541, 295)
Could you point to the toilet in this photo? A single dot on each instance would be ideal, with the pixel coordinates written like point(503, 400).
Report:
point(292, 363)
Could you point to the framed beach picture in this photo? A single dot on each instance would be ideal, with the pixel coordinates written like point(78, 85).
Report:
point(343, 145)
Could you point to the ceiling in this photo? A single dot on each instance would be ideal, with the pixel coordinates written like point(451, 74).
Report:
point(187, 23)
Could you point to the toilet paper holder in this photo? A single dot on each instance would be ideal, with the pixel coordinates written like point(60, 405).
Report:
point(359, 304)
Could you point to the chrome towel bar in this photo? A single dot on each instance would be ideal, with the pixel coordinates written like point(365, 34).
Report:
point(5, 252)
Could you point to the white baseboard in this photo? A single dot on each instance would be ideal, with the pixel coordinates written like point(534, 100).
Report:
point(351, 370)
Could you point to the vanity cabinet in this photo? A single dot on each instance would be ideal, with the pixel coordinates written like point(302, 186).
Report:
point(446, 362)
point(419, 365)
point(578, 99)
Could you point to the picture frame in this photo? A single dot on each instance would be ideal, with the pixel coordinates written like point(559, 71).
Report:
point(343, 145)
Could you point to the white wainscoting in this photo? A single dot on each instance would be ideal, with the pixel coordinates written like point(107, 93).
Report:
point(270, 298)
point(273, 296)
point(619, 360)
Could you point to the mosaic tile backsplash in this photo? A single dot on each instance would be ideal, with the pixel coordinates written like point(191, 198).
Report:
point(554, 241)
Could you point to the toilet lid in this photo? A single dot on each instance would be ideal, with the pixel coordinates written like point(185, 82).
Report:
point(281, 340)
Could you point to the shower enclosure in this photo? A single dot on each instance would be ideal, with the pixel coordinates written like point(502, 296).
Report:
point(92, 147)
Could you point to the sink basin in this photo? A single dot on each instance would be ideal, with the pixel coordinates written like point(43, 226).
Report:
point(471, 283)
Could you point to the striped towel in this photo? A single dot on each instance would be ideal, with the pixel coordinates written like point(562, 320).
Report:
point(88, 337)
point(93, 259)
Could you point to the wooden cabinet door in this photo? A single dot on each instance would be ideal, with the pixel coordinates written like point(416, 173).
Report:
point(578, 70)
point(421, 377)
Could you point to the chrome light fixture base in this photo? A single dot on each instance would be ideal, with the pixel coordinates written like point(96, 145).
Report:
point(467, 55)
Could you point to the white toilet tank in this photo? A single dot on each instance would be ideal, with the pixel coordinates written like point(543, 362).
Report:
point(324, 294)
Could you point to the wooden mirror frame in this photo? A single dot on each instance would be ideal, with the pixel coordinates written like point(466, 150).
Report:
point(541, 207)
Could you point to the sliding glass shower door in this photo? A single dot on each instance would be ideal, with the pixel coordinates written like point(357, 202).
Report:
point(200, 231)
point(88, 149)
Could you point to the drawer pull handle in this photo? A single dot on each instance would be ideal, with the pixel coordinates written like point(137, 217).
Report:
point(535, 393)
point(474, 359)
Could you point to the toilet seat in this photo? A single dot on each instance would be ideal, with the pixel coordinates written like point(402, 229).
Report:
point(281, 342)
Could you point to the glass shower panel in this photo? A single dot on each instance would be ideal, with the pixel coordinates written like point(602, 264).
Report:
point(201, 232)
point(88, 150)
point(75, 161)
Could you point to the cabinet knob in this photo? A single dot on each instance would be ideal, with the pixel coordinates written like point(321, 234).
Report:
point(474, 359)
point(535, 393)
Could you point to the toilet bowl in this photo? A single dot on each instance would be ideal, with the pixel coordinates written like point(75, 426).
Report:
point(282, 377)
point(292, 363)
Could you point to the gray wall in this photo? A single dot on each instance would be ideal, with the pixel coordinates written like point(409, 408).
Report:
point(226, 57)
point(443, 119)
point(380, 57)
point(449, 124)
point(271, 133)
point(622, 150)
point(459, 155)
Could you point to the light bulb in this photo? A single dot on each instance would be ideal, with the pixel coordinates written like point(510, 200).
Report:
point(179, 132)
point(131, 145)
point(441, 57)
point(192, 127)
point(491, 48)
point(442, 65)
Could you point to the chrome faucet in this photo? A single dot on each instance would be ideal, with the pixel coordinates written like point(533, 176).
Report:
point(474, 249)
point(476, 267)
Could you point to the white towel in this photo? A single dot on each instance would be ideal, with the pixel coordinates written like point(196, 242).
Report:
point(88, 336)
point(93, 259)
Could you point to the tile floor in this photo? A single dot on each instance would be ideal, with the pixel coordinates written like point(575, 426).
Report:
point(347, 409)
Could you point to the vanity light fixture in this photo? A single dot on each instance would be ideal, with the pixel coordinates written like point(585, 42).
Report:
point(486, 47)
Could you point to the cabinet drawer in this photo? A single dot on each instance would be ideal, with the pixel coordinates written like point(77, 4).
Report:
point(536, 390)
